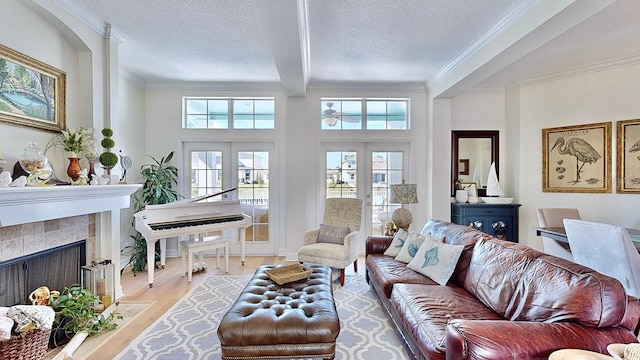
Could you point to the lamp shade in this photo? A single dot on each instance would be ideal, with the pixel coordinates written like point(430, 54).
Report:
point(404, 194)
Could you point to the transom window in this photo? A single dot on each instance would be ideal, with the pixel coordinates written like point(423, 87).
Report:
point(375, 114)
point(228, 113)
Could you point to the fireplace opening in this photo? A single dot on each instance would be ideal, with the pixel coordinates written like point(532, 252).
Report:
point(55, 268)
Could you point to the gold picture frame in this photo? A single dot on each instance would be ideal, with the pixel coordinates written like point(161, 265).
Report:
point(577, 158)
point(32, 93)
point(628, 160)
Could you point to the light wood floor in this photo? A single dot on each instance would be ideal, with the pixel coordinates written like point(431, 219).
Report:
point(169, 286)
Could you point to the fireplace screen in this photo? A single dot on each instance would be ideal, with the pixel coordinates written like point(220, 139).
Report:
point(54, 268)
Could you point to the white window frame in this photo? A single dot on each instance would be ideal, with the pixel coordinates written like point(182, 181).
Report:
point(231, 121)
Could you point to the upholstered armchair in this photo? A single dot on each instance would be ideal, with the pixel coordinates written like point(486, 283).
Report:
point(607, 249)
point(553, 217)
point(335, 242)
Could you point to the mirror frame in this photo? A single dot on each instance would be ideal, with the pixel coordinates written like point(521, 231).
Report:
point(472, 134)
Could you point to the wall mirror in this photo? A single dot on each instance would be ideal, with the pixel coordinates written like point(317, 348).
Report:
point(472, 153)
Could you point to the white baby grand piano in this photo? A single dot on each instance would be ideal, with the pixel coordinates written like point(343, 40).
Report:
point(189, 217)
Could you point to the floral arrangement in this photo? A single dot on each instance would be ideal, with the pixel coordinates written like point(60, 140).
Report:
point(75, 141)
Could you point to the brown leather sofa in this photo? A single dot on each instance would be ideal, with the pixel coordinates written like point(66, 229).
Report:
point(503, 301)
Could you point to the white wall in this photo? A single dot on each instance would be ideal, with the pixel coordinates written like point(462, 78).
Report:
point(297, 136)
point(602, 96)
point(130, 141)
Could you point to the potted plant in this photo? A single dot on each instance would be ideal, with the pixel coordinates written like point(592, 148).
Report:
point(75, 312)
point(72, 141)
point(108, 159)
point(159, 179)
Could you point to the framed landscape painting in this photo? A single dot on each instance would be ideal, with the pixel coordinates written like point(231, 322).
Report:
point(628, 161)
point(577, 158)
point(32, 93)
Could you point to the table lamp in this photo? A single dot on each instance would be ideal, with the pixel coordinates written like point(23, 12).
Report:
point(403, 194)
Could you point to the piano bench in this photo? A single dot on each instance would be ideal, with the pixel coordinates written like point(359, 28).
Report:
point(190, 247)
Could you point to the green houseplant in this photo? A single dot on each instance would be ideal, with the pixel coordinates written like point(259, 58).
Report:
point(108, 159)
point(159, 179)
point(75, 312)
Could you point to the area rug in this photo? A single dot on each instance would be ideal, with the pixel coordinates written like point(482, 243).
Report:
point(188, 329)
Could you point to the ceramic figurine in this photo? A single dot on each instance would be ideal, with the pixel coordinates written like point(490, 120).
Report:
point(19, 182)
point(82, 178)
point(97, 180)
point(5, 179)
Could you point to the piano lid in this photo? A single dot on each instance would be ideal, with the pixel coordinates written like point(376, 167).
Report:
point(202, 198)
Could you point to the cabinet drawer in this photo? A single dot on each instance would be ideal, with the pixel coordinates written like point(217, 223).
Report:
point(482, 210)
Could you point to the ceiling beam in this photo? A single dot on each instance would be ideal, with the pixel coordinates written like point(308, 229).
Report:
point(285, 25)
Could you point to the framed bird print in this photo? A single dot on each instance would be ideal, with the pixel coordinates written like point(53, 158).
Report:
point(628, 161)
point(577, 158)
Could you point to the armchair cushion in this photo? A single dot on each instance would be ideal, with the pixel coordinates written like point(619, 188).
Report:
point(436, 260)
point(332, 234)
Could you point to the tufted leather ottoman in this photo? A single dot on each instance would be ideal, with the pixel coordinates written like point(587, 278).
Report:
point(293, 320)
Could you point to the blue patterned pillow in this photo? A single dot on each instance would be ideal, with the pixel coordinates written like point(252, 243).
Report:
point(436, 260)
point(410, 247)
point(396, 245)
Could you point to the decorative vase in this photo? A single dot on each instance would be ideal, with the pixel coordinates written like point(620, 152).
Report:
point(74, 168)
point(462, 196)
point(92, 163)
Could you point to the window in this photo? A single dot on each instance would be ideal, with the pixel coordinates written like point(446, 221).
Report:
point(253, 191)
point(228, 113)
point(377, 114)
point(211, 169)
point(341, 171)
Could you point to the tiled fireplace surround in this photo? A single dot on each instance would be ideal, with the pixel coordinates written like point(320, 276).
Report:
point(33, 219)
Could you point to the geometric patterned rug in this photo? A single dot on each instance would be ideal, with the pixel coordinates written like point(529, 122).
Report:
point(188, 329)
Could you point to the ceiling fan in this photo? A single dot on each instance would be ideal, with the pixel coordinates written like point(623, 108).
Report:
point(331, 117)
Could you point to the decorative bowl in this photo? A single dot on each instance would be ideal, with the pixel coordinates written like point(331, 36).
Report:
point(497, 200)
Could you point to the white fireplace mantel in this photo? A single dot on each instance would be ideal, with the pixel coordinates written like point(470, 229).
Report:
point(22, 205)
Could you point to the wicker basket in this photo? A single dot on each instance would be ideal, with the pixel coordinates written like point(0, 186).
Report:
point(288, 273)
point(30, 345)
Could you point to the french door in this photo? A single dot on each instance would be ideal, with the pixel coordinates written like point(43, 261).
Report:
point(364, 170)
point(216, 166)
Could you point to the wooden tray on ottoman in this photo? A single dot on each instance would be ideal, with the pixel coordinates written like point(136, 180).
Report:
point(288, 273)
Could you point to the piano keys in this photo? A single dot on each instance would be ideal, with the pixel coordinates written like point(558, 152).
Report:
point(191, 217)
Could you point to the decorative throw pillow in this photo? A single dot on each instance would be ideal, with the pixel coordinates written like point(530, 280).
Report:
point(410, 247)
point(397, 243)
point(332, 234)
point(436, 260)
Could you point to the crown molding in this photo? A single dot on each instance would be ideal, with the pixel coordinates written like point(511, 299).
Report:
point(485, 91)
point(103, 29)
point(130, 77)
point(500, 27)
point(577, 71)
point(213, 86)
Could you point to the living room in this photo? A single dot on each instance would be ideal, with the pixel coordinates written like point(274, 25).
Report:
point(479, 92)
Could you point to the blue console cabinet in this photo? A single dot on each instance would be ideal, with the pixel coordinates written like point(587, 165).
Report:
point(499, 220)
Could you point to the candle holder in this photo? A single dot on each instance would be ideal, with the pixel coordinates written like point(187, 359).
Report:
point(99, 279)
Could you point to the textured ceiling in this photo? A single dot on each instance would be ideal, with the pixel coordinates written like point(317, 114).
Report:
point(297, 43)
point(348, 40)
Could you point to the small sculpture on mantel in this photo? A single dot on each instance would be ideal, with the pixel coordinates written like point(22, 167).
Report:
point(82, 178)
point(98, 180)
point(5, 179)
